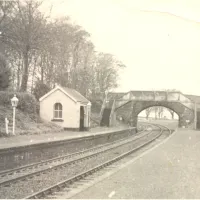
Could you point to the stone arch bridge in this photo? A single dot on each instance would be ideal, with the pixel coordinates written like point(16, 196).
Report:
point(129, 105)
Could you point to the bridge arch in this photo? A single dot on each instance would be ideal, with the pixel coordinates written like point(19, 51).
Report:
point(152, 111)
point(131, 110)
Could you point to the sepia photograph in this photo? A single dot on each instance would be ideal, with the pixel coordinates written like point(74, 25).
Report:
point(99, 99)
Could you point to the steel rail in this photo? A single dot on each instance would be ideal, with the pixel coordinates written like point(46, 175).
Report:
point(102, 149)
point(66, 183)
point(15, 170)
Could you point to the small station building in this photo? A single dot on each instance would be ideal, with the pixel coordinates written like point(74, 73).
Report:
point(66, 107)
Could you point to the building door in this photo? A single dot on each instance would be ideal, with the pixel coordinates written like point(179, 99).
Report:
point(81, 118)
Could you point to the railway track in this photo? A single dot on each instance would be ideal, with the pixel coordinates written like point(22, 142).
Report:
point(66, 184)
point(22, 174)
point(11, 176)
point(21, 177)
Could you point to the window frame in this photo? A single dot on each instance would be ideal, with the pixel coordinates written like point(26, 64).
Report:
point(58, 112)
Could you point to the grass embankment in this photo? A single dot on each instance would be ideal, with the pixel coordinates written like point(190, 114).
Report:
point(28, 121)
point(25, 125)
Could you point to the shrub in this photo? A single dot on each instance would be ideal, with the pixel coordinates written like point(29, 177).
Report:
point(38, 107)
point(27, 102)
point(5, 74)
point(40, 90)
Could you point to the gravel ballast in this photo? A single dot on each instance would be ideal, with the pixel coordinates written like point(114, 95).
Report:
point(27, 187)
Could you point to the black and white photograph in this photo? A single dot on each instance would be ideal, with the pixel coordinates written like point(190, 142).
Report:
point(99, 99)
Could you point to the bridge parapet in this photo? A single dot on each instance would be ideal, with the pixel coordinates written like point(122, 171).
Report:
point(155, 96)
point(130, 104)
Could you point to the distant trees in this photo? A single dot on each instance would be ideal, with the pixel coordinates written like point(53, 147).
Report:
point(158, 110)
point(148, 112)
point(106, 71)
point(53, 51)
point(171, 112)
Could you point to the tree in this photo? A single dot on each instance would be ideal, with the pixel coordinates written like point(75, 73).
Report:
point(155, 109)
point(24, 33)
point(5, 74)
point(84, 72)
point(160, 111)
point(53, 51)
point(106, 72)
point(171, 112)
point(40, 90)
point(148, 111)
point(79, 38)
point(6, 8)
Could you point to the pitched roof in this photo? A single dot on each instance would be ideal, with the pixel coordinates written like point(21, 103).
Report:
point(73, 94)
point(76, 95)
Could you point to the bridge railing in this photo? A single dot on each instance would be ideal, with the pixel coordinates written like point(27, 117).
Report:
point(187, 102)
point(155, 96)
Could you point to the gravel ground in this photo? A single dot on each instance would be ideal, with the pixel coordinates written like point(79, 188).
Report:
point(66, 159)
point(89, 181)
point(170, 171)
point(172, 124)
point(20, 189)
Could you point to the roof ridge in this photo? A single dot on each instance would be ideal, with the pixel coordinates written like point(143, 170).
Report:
point(76, 95)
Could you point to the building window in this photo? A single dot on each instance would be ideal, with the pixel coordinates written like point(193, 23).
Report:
point(58, 111)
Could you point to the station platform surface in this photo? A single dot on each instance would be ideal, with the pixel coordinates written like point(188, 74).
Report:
point(170, 170)
point(22, 140)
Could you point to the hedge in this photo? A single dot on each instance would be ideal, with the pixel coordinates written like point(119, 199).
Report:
point(27, 102)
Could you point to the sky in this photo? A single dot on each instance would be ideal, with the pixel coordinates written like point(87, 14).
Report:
point(157, 40)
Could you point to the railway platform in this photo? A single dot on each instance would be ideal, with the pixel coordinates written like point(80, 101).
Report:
point(24, 140)
point(168, 171)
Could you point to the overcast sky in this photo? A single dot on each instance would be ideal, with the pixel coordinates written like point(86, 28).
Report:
point(158, 40)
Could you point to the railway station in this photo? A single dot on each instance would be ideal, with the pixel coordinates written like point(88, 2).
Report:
point(134, 149)
point(99, 99)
